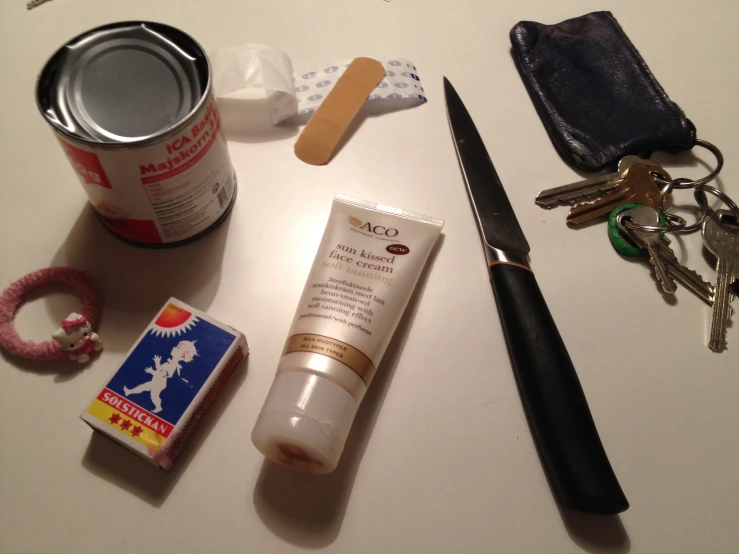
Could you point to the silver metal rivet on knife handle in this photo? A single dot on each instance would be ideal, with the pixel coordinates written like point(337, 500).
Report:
point(587, 189)
point(721, 237)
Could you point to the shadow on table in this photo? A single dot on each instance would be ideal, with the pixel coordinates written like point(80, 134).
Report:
point(135, 282)
point(597, 534)
point(594, 533)
point(111, 461)
point(308, 510)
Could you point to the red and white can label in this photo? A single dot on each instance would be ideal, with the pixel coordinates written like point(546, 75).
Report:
point(165, 192)
point(86, 164)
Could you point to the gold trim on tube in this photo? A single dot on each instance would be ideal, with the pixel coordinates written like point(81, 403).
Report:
point(340, 351)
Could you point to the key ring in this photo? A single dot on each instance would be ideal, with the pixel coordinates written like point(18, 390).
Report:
point(687, 183)
point(675, 223)
point(721, 196)
point(700, 197)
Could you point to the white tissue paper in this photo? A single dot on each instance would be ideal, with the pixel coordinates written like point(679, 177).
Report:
point(256, 72)
point(260, 72)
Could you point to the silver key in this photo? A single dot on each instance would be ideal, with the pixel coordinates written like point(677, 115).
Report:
point(576, 193)
point(685, 276)
point(645, 215)
point(721, 237)
point(33, 3)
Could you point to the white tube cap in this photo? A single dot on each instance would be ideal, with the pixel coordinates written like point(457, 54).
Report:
point(304, 422)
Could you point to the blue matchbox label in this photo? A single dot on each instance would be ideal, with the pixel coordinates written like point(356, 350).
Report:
point(162, 375)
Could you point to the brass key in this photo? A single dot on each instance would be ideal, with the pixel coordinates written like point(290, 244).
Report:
point(580, 192)
point(639, 187)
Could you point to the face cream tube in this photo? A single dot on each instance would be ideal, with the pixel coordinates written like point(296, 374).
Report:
point(366, 268)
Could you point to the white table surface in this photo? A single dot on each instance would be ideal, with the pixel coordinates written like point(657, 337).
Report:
point(441, 458)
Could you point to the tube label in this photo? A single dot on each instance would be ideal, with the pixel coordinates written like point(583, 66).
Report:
point(366, 267)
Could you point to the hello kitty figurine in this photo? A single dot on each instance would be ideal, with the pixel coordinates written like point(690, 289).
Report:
point(75, 336)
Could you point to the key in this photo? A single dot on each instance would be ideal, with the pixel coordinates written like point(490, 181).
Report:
point(621, 241)
point(645, 215)
point(688, 278)
point(576, 193)
point(638, 187)
point(33, 3)
point(721, 237)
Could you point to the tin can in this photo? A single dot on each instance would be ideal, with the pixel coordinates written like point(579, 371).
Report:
point(132, 106)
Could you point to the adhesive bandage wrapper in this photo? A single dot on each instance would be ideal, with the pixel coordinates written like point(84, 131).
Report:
point(322, 134)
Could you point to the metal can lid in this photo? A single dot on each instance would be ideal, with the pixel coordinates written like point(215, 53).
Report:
point(124, 83)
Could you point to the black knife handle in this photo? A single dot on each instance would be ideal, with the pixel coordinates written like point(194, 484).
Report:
point(558, 413)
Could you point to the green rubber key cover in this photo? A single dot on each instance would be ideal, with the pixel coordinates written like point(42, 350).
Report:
point(618, 241)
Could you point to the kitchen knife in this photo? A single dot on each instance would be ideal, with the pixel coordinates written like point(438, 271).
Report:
point(554, 402)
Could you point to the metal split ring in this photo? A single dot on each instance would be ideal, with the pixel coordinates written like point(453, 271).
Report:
point(687, 183)
point(700, 198)
point(721, 196)
point(675, 224)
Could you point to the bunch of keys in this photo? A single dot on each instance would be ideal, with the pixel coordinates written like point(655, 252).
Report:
point(635, 196)
point(721, 238)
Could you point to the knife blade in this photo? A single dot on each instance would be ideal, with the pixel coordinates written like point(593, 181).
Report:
point(556, 408)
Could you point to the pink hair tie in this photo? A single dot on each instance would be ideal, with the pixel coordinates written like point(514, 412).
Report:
point(75, 338)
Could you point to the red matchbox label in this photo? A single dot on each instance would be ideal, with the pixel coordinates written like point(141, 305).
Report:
point(136, 413)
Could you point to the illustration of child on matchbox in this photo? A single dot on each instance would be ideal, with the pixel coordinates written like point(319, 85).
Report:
point(185, 351)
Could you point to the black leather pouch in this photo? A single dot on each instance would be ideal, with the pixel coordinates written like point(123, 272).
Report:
point(594, 93)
